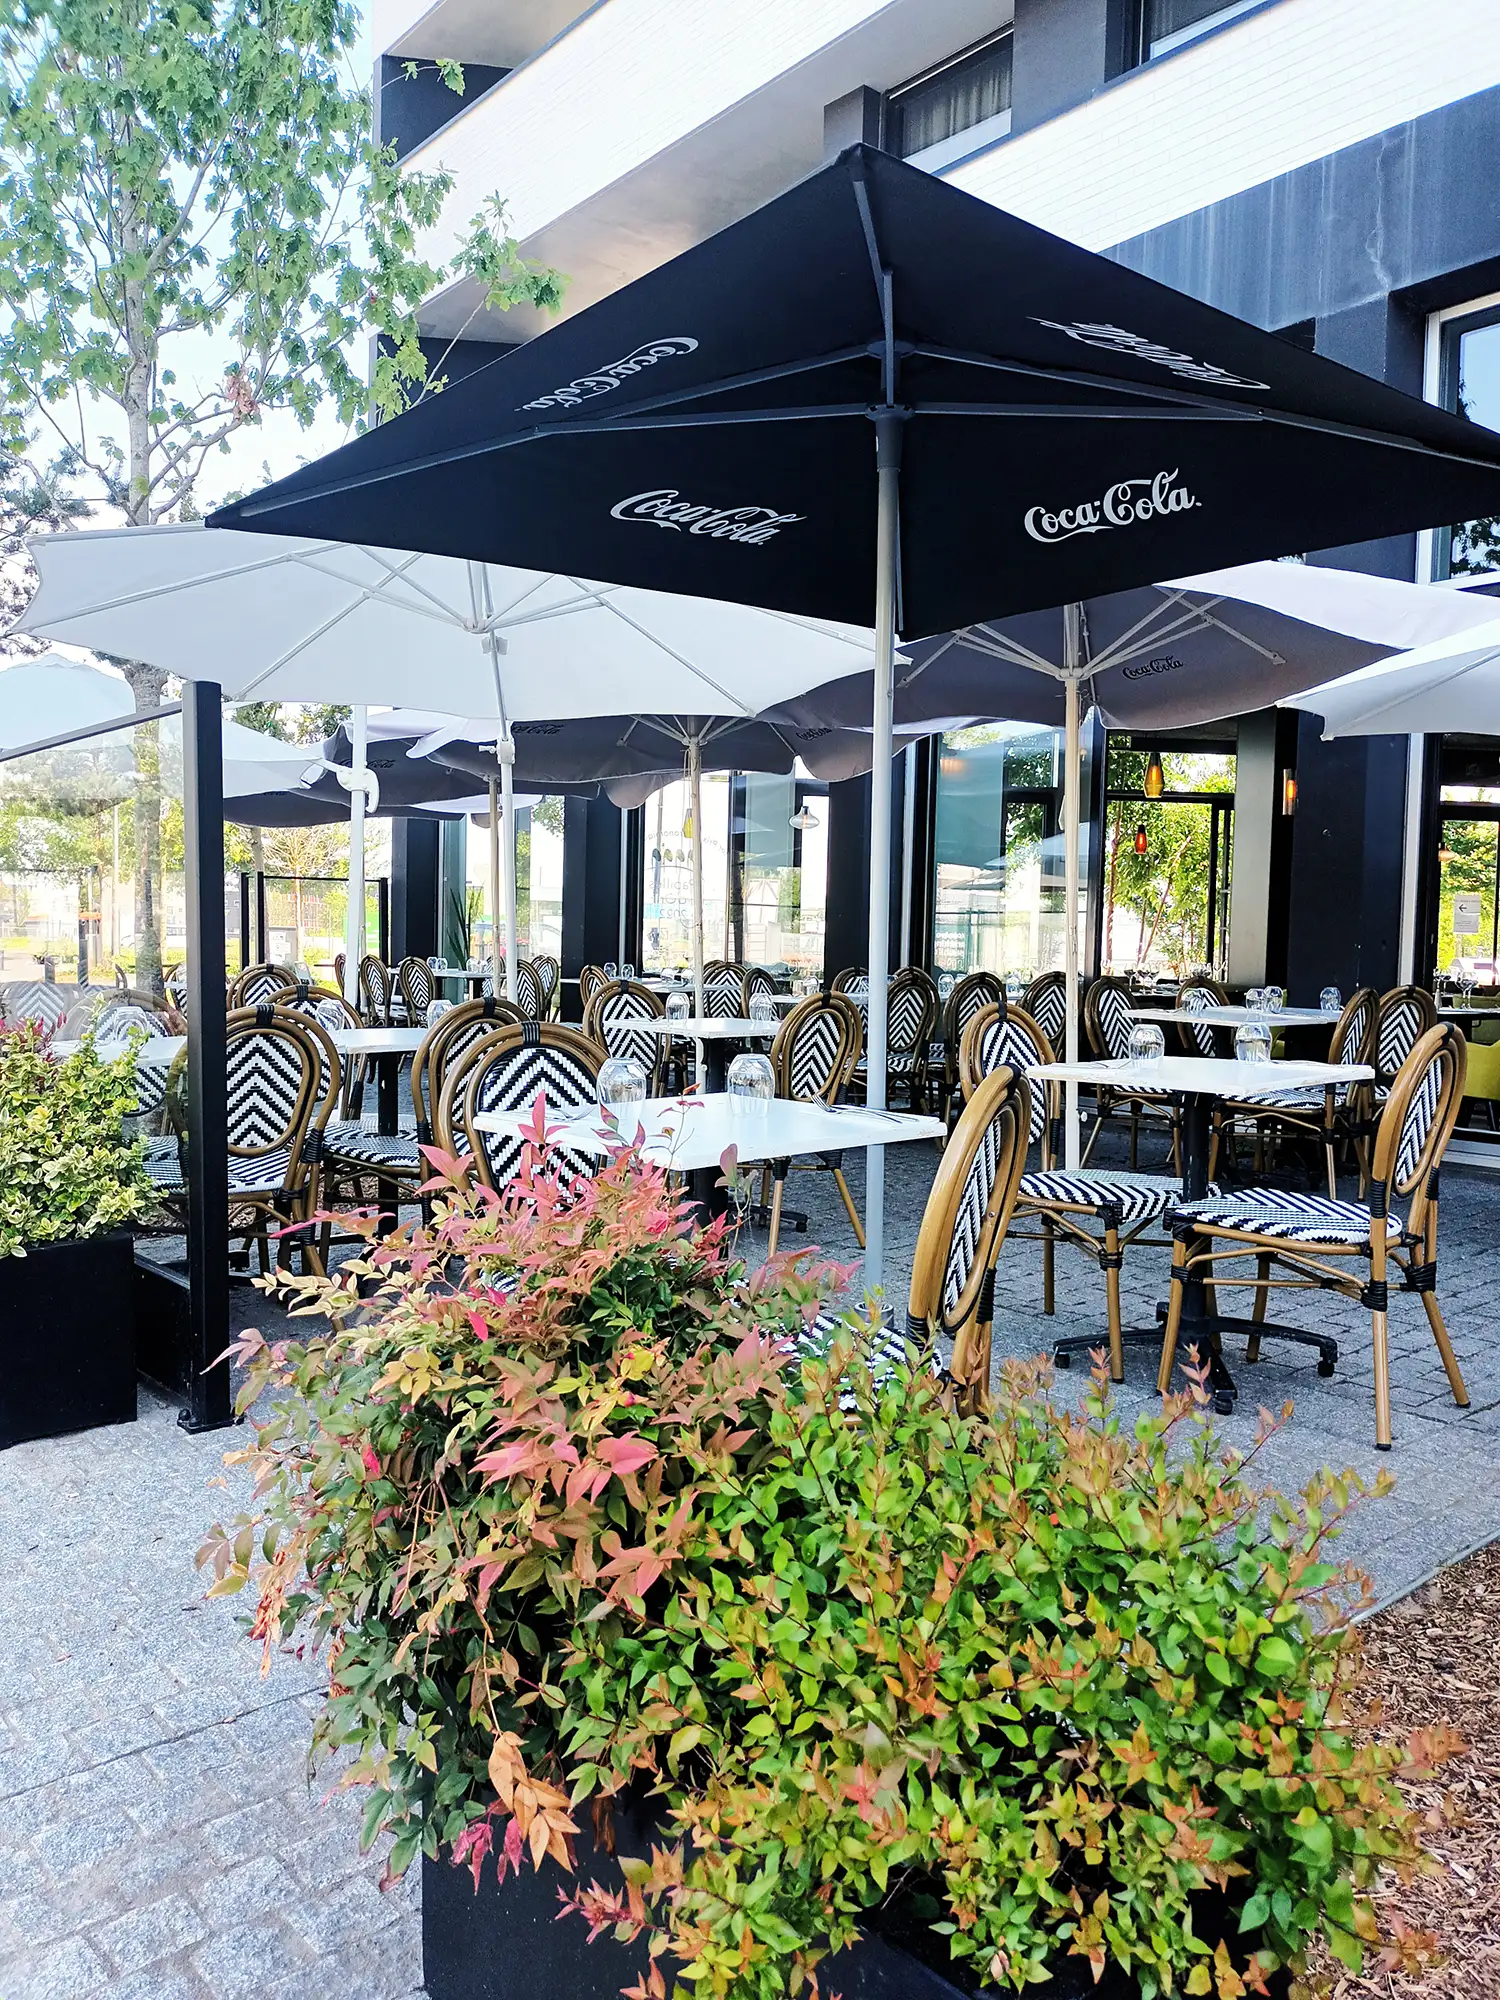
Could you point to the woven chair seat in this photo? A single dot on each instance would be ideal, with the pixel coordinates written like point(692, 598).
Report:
point(264, 1175)
point(351, 1141)
point(1289, 1216)
point(1095, 1191)
point(1311, 1099)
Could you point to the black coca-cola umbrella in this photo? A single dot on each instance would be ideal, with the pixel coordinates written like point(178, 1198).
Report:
point(880, 395)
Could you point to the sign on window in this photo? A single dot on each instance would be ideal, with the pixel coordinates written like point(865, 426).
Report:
point(1465, 916)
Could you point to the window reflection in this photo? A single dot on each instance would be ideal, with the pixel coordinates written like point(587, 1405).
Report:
point(1471, 387)
point(999, 888)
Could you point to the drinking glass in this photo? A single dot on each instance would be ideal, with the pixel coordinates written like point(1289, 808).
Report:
point(1331, 1001)
point(1147, 1042)
point(679, 1007)
point(945, 983)
point(1255, 999)
point(1014, 986)
point(627, 972)
point(1145, 980)
point(434, 964)
point(621, 1081)
point(611, 970)
point(1273, 999)
point(752, 1077)
point(1252, 1042)
point(472, 965)
point(330, 1015)
point(436, 1009)
point(762, 1007)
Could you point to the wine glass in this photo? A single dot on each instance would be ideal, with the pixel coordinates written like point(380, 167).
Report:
point(1252, 1042)
point(752, 1077)
point(627, 971)
point(1273, 999)
point(621, 1081)
point(945, 983)
point(611, 969)
point(1147, 1042)
point(330, 1015)
point(1331, 1001)
point(762, 1007)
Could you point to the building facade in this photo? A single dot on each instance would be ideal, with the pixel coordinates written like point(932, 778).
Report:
point(1329, 169)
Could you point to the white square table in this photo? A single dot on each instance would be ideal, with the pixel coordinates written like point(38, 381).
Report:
point(709, 1033)
point(1197, 1082)
point(1236, 1017)
point(385, 1049)
point(691, 1134)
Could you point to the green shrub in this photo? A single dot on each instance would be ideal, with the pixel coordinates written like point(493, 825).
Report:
point(66, 1168)
point(1020, 1686)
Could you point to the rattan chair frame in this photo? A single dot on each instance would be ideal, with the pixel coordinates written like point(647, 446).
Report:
point(253, 986)
point(650, 1006)
point(1328, 1124)
point(843, 1055)
point(1311, 1264)
point(1001, 1100)
point(1109, 1098)
point(970, 995)
point(456, 1107)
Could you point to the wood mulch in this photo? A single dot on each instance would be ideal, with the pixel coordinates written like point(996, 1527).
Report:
point(1435, 1658)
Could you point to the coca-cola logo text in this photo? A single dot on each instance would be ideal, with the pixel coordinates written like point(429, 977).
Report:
point(1119, 340)
point(1163, 663)
point(599, 381)
point(664, 507)
point(1126, 504)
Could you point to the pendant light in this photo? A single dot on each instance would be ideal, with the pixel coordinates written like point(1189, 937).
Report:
point(1154, 783)
point(1140, 840)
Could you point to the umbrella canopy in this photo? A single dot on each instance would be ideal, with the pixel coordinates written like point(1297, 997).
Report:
point(1453, 685)
point(878, 396)
point(1166, 656)
point(52, 694)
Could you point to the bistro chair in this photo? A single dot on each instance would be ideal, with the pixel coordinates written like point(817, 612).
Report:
point(725, 994)
point(504, 1071)
point(1402, 1017)
point(1046, 1001)
point(1107, 1021)
point(853, 980)
point(549, 973)
point(976, 990)
point(1100, 1211)
point(323, 1004)
point(1197, 1037)
point(615, 1018)
point(530, 997)
point(257, 984)
point(812, 1059)
point(1327, 1118)
point(950, 1305)
point(590, 979)
point(418, 989)
point(911, 1019)
point(375, 991)
point(1314, 1239)
point(759, 981)
point(283, 1079)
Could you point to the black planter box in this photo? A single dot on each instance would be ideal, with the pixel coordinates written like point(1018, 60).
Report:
point(507, 1943)
point(67, 1338)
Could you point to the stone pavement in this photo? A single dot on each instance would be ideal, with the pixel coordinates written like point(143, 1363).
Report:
point(158, 1836)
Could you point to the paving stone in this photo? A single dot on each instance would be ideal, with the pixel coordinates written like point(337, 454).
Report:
point(71, 1970)
point(153, 1932)
point(250, 1958)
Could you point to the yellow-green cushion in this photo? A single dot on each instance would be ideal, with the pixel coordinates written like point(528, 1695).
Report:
point(1484, 1070)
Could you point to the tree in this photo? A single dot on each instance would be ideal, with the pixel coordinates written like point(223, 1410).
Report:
point(190, 177)
point(34, 500)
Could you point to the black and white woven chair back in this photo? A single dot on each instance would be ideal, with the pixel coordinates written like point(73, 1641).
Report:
point(549, 972)
point(444, 1045)
point(374, 991)
point(529, 995)
point(724, 991)
point(281, 1071)
point(1403, 1016)
point(1108, 1017)
point(1007, 1039)
point(506, 1074)
point(1351, 1038)
point(968, 1213)
point(258, 984)
point(852, 979)
point(1046, 1001)
point(815, 1049)
point(911, 1011)
point(974, 992)
point(1198, 1000)
point(590, 979)
point(618, 1018)
point(1420, 1111)
point(758, 980)
point(414, 977)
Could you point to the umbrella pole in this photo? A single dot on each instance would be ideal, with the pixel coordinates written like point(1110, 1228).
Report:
point(887, 478)
point(494, 885)
point(1073, 660)
point(505, 750)
point(695, 810)
point(354, 917)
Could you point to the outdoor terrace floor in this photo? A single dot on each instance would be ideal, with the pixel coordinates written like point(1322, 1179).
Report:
point(158, 1837)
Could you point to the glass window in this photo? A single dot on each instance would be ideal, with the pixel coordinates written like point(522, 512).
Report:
point(779, 888)
point(1171, 24)
point(1167, 860)
point(999, 887)
point(1471, 386)
point(539, 876)
point(953, 110)
point(667, 901)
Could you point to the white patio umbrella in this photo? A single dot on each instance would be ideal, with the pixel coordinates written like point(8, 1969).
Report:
point(1453, 684)
point(309, 620)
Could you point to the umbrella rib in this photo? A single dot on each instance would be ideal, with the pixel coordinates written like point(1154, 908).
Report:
point(307, 639)
point(1123, 646)
point(197, 582)
point(985, 639)
point(1406, 693)
point(1078, 378)
point(736, 705)
point(1065, 413)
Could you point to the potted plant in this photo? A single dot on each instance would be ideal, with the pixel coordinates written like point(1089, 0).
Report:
point(772, 1675)
point(69, 1181)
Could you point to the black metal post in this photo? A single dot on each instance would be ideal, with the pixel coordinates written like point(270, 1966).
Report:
point(262, 948)
point(245, 959)
point(383, 917)
point(209, 1403)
